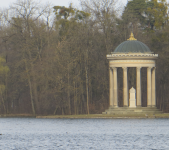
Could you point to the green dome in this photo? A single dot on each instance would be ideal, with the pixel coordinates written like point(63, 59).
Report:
point(132, 46)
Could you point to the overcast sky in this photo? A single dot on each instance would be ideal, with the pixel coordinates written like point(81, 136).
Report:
point(6, 3)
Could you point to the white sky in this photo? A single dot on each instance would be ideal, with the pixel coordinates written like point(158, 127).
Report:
point(6, 3)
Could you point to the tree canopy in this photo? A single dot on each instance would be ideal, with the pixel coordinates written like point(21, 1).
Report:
point(149, 13)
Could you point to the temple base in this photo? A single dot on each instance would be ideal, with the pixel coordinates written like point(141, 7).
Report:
point(128, 110)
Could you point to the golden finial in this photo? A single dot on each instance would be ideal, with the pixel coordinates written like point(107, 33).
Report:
point(132, 37)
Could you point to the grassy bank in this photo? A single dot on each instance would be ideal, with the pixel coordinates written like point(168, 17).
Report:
point(91, 116)
point(17, 116)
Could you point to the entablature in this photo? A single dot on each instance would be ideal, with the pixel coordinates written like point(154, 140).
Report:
point(132, 56)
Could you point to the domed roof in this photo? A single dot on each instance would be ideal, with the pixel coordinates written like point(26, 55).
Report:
point(132, 46)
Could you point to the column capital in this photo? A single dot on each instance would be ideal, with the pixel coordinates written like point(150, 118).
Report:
point(110, 68)
point(114, 68)
point(125, 68)
point(138, 68)
point(149, 68)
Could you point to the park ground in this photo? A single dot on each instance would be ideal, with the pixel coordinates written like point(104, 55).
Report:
point(90, 116)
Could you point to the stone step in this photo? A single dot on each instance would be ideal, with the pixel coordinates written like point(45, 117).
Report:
point(124, 108)
point(133, 110)
point(127, 110)
point(132, 113)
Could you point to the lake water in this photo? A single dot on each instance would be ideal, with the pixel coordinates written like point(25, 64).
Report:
point(84, 134)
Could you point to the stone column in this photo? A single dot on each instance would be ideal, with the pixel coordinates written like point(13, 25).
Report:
point(138, 92)
point(125, 88)
point(115, 100)
point(149, 100)
point(111, 87)
point(128, 91)
point(153, 87)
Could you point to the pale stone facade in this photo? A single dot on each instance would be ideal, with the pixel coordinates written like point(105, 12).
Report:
point(137, 60)
point(132, 53)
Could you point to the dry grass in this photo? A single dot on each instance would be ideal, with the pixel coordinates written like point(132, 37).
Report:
point(84, 116)
point(92, 116)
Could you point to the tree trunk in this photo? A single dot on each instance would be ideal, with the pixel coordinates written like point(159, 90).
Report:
point(87, 90)
point(30, 89)
point(69, 93)
point(74, 98)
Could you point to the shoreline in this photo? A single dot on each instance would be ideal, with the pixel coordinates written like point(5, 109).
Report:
point(84, 116)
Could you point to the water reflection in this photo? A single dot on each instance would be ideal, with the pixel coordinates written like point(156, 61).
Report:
point(35, 134)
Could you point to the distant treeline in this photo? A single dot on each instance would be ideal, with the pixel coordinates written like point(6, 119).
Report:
point(53, 58)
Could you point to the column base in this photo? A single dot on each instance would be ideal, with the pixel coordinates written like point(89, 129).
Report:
point(125, 106)
point(138, 106)
point(149, 106)
point(111, 106)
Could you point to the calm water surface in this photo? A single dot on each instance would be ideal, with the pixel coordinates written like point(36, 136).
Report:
point(70, 134)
